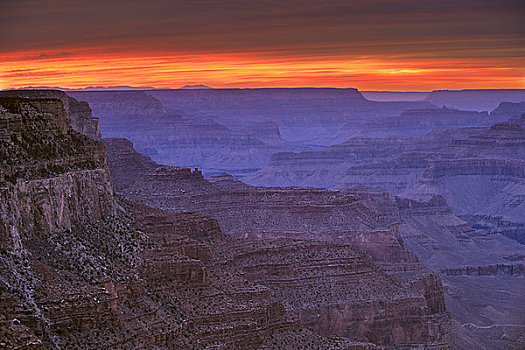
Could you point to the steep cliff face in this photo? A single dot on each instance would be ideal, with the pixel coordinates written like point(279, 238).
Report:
point(78, 113)
point(51, 176)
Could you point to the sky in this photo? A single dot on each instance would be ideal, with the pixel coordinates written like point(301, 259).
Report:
point(412, 45)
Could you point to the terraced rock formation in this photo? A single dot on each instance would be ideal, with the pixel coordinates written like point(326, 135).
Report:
point(482, 273)
point(333, 222)
point(186, 141)
point(82, 268)
point(325, 168)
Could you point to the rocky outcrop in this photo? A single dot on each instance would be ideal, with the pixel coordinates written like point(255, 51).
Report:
point(78, 113)
point(481, 272)
point(226, 308)
point(335, 290)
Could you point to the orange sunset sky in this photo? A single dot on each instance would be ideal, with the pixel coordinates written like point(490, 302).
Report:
point(371, 45)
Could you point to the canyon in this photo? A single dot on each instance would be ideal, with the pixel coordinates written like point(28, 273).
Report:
point(396, 224)
point(83, 267)
point(382, 225)
point(133, 276)
point(185, 139)
point(283, 231)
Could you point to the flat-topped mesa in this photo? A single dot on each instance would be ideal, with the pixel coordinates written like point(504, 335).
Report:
point(78, 113)
point(51, 176)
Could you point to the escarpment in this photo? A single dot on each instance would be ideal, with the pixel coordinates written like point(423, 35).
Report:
point(186, 140)
point(45, 162)
point(83, 268)
point(309, 277)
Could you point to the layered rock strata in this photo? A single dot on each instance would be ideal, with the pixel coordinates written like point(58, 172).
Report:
point(81, 268)
point(332, 222)
point(78, 113)
point(192, 142)
point(64, 173)
point(325, 168)
point(482, 273)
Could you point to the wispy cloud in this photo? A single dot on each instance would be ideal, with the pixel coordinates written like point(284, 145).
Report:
point(266, 42)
